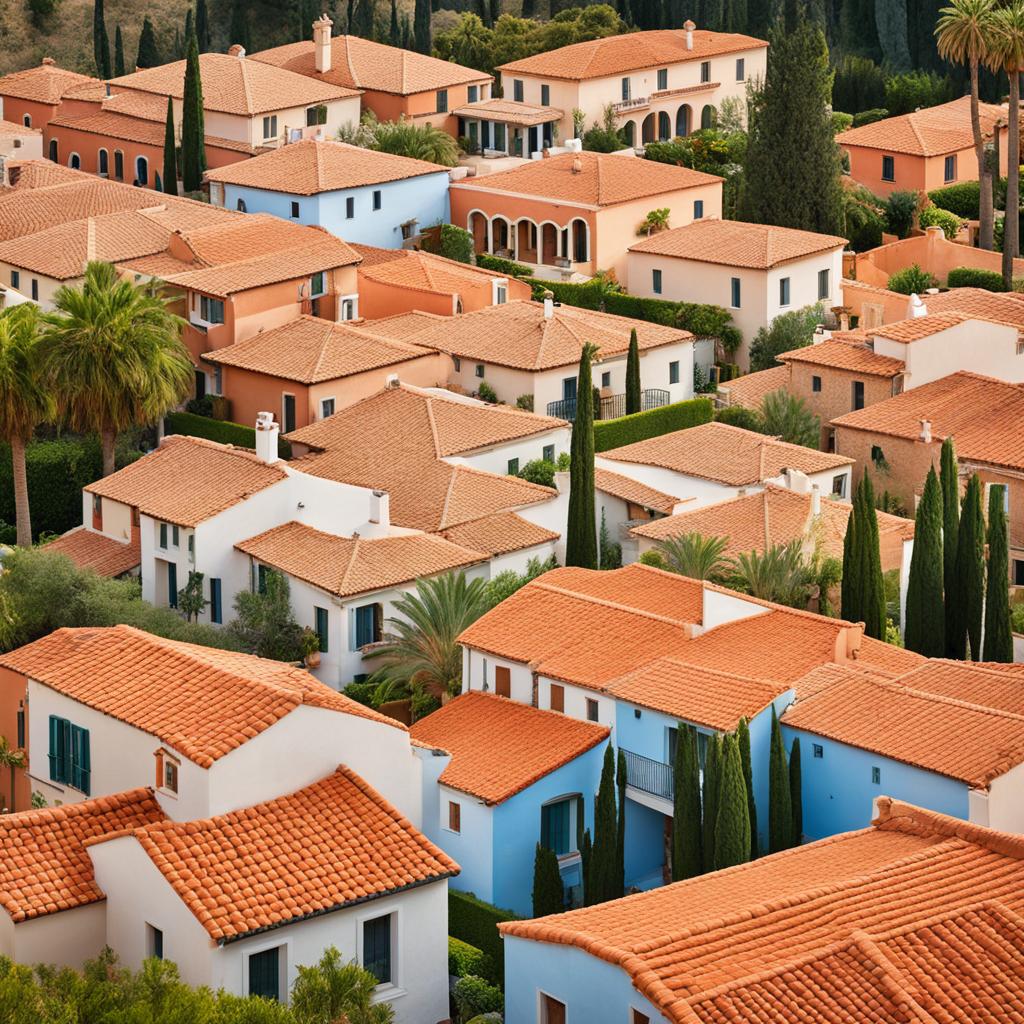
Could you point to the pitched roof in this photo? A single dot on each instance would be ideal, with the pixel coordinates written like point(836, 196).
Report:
point(633, 51)
point(311, 350)
point(836, 354)
point(44, 864)
point(345, 566)
point(725, 454)
point(9, 129)
point(750, 390)
point(188, 480)
point(499, 747)
point(982, 413)
point(499, 534)
point(736, 243)
point(91, 550)
point(633, 491)
point(45, 83)
point(509, 112)
point(686, 946)
point(916, 328)
point(420, 271)
point(932, 131)
point(1002, 307)
point(358, 63)
point(309, 167)
point(604, 179)
point(517, 334)
point(328, 846)
point(992, 685)
point(234, 86)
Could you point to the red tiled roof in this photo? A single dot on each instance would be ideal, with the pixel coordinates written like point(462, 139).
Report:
point(633, 491)
point(835, 354)
point(750, 389)
point(91, 550)
point(422, 271)
point(1002, 307)
point(499, 534)
point(45, 83)
point(499, 747)
point(509, 112)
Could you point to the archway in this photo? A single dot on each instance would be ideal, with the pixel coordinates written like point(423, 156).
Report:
point(683, 120)
point(629, 133)
point(500, 235)
point(664, 126)
point(647, 133)
point(478, 229)
point(708, 117)
point(549, 244)
point(526, 241)
point(580, 241)
point(142, 170)
point(75, 162)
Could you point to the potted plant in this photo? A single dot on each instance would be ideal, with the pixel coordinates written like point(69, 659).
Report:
point(310, 643)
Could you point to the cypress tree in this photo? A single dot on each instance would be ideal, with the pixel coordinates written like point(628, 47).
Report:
point(149, 51)
point(743, 738)
point(686, 823)
point(970, 566)
point(188, 28)
point(483, 11)
point(170, 176)
point(363, 19)
point(178, 49)
point(395, 31)
point(792, 167)
point(998, 638)
point(118, 53)
point(529, 9)
point(712, 777)
point(421, 26)
point(408, 41)
point(780, 808)
point(239, 29)
point(548, 896)
point(586, 862)
point(732, 823)
point(796, 798)
point(849, 592)
point(100, 41)
point(872, 585)
point(620, 837)
point(495, 11)
point(581, 530)
point(633, 393)
point(202, 27)
point(925, 628)
point(606, 831)
point(193, 134)
point(949, 479)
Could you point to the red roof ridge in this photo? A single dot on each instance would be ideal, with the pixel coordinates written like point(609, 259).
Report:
point(897, 815)
point(605, 603)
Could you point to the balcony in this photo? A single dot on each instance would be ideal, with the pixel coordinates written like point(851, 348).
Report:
point(629, 106)
point(611, 406)
point(649, 776)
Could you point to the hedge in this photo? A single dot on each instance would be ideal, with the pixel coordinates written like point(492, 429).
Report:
point(639, 426)
point(500, 266)
point(476, 922)
point(218, 430)
point(964, 199)
point(465, 959)
point(975, 277)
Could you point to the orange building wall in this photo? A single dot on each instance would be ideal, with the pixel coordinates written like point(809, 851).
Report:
point(390, 107)
point(15, 109)
point(378, 300)
point(13, 695)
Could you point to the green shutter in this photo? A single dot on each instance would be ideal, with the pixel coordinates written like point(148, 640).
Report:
point(54, 755)
point(264, 974)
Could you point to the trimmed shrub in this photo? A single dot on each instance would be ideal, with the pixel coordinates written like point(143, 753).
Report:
point(500, 266)
point(474, 996)
point(975, 277)
point(456, 243)
point(218, 430)
point(539, 471)
point(487, 393)
point(870, 116)
point(476, 922)
point(525, 402)
point(653, 558)
point(935, 216)
point(615, 433)
point(912, 280)
point(900, 209)
point(741, 416)
point(465, 959)
point(963, 199)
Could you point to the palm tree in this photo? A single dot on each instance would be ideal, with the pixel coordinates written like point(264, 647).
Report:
point(1006, 52)
point(25, 402)
point(330, 992)
point(962, 36)
point(780, 574)
point(787, 417)
point(422, 651)
point(114, 356)
point(656, 220)
point(11, 759)
point(694, 555)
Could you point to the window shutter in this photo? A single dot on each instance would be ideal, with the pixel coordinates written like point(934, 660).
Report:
point(54, 755)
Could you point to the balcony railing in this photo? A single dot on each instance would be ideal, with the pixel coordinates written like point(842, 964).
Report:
point(633, 104)
point(654, 777)
point(611, 407)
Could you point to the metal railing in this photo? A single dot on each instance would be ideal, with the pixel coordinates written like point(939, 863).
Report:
point(611, 407)
point(644, 773)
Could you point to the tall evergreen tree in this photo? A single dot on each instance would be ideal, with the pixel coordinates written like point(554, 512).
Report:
point(239, 27)
point(780, 808)
point(743, 738)
point(118, 53)
point(796, 798)
point(872, 584)
point(202, 27)
point(606, 835)
point(850, 584)
point(177, 47)
point(188, 29)
point(586, 862)
point(100, 41)
point(925, 628)
point(408, 40)
point(421, 26)
point(686, 822)
point(395, 30)
point(970, 568)
point(495, 11)
point(581, 531)
point(949, 480)
point(529, 9)
point(732, 823)
point(149, 51)
point(193, 132)
point(633, 392)
point(170, 175)
point(712, 783)
point(548, 896)
point(792, 167)
point(483, 12)
point(620, 836)
point(998, 638)
point(363, 18)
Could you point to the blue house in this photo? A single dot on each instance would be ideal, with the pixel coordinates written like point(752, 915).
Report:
point(500, 777)
point(357, 194)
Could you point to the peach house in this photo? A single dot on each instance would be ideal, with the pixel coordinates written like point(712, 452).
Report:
point(33, 96)
point(921, 151)
point(393, 82)
point(578, 211)
point(20, 142)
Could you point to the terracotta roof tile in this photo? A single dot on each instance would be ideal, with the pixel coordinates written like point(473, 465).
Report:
point(750, 390)
point(499, 534)
point(188, 480)
point(45, 83)
point(91, 550)
point(604, 179)
point(234, 86)
point(736, 243)
point(633, 491)
point(1002, 307)
point(932, 131)
point(8, 129)
point(421, 271)
point(26, 174)
point(916, 328)
point(499, 747)
point(332, 844)
point(725, 454)
point(844, 355)
point(990, 684)
point(509, 112)
point(345, 566)
point(44, 864)
point(633, 51)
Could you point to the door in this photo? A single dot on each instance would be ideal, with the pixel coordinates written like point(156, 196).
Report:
point(569, 389)
point(172, 584)
point(533, 140)
point(265, 975)
point(502, 681)
point(553, 1011)
point(200, 384)
point(289, 413)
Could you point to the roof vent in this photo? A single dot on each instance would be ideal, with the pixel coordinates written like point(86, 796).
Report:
point(688, 27)
point(549, 305)
point(236, 50)
point(815, 500)
point(48, 62)
point(392, 382)
point(917, 307)
point(267, 432)
point(926, 431)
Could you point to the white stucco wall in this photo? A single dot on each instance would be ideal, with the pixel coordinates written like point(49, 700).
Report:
point(495, 459)
point(66, 938)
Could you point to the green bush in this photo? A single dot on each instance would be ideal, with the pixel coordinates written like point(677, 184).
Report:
point(741, 416)
point(841, 121)
point(465, 959)
point(912, 280)
point(218, 430)
point(539, 471)
point(963, 199)
point(935, 216)
point(900, 209)
point(525, 402)
point(476, 922)
point(487, 393)
point(456, 243)
point(870, 116)
point(362, 693)
point(500, 266)
point(975, 277)
point(474, 996)
point(639, 426)
point(653, 558)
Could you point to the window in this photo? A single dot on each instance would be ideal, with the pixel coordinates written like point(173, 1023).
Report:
point(1018, 575)
point(656, 281)
point(735, 301)
point(741, 69)
point(377, 948)
point(154, 942)
point(823, 284)
point(350, 207)
point(289, 413)
point(877, 456)
point(216, 608)
point(163, 536)
point(348, 309)
point(662, 79)
point(75, 162)
point(673, 372)
point(784, 291)
point(175, 536)
point(816, 384)
point(53, 150)
point(472, 93)
point(698, 209)
point(502, 681)
point(950, 168)
point(376, 198)
point(625, 90)
point(888, 168)
point(21, 726)
point(169, 775)
point(316, 115)
point(35, 289)
point(591, 710)
point(367, 625)
point(454, 816)
point(142, 170)
point(555, 826)
point(211, 310)
point(270, 127)
point(513, 467)
point(458, 363)
point(320, 627)
point(705, 71)
point(192, 547)
point(545, 95)
point(818, 749)
point(442, 101)
point(326, 408)
point(240, 206)
point(172, 585)
point(15, 279)
point(27, 120)
point(103, 162)
point(858, 394)
point(265, 972)
point(316, 284)
point(295, 210)
point(479, 371)
point(876, 775)
point(517, 90)
point(218, 380)
point(69, 754)
point(557, 699)
point(839, 486)
point(548, 453)
point(606, 379)
point(119, 165)
point(500, 294)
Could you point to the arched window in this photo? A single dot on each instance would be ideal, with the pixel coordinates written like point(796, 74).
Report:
point(648, 129)
point(53, 150)
point(27, 120)
point(75, 162)
point(119, 165)
point(580, 241)
point(629, 133)
point(683, 120)
point(664, 126)
point(142, 170)
point(708, 116)
point(103, 163)
point(241, 206)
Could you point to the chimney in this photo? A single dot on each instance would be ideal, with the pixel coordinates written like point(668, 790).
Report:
point(577, 165)
point(848, 643)
point(688, 27)
point(322, 44)
point(392, 383)
point(796, 481)
point(815, 500)
point(48, 62)
point(917, 307)
point(844, 321)
point(819, 333)
point(380, 508)
point(236, 50)
point(266, 437)
point(926, 431)
point(549, 306)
